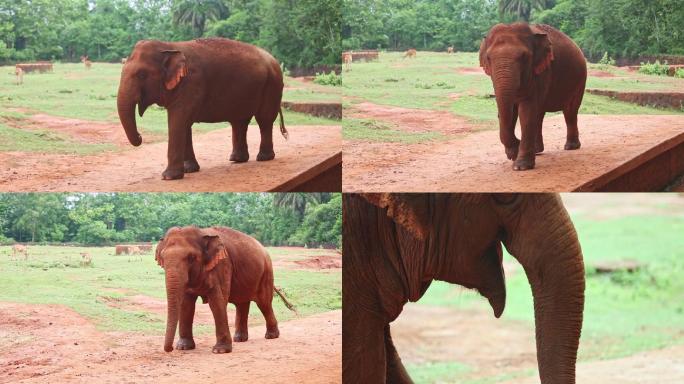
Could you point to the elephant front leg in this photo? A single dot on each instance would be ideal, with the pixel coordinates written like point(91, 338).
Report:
point(190, 163)
point(396, 373)
point(178, 134)
point(530, 128)
point(507, 133)
point(240, 152)
point(187, 315)
point(224, 344)
point(364, 356)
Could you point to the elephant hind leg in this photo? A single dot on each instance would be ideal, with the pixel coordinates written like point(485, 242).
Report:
point(241, 314)
point(570, 114)
point(539, 142)
point(240, 152)
point(266, 307)
point(266, 128)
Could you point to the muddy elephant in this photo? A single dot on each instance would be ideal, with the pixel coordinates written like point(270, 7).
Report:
point(220, 265)
point(534, 69)
point(396, 244)
point(205, 80)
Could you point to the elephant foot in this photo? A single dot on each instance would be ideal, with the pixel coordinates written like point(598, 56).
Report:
point(572, 144)
point(265, 156)
point(539, 147)
point(185, 344)
point(172, 174)
point(272, 333)
point(222, 348)
point(512, 152)
point(239, 157)
point(523, 164)
point(191, 166)
point(240, 337)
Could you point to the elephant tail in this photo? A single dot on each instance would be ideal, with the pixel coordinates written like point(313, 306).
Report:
point(283, 130)
point(282, 297)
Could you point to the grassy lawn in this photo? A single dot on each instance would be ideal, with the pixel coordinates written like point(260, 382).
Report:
point(438, 81)
point(624, 313)
point(73, 92)
point(55, 276)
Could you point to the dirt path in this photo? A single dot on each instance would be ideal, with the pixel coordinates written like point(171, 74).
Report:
point(139, 169)
point(495, 347)
point(51, 343)
point(476, 162)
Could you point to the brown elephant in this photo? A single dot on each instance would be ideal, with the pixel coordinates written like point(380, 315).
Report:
point(534, 69)
point(220, 265)
point(395, 245)
point(204, 80)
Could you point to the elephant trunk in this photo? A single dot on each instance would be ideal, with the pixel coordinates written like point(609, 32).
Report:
point(174, 295)
point(506, 85)
point(125, 103)
point(550, 253)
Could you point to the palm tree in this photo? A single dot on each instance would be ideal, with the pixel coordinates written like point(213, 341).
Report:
point(297, 201)
point(521, 8)
point(196, 13)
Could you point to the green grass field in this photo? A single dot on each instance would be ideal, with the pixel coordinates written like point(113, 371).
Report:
point(624, 313)
point(71, 91)
point(436, 81)
point(54, 275)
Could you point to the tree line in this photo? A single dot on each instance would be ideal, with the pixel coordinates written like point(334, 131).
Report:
point(300, 219)
point(299, 33)
point(622, 28)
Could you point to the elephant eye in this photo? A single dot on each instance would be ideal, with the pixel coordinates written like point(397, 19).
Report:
point(141, 75)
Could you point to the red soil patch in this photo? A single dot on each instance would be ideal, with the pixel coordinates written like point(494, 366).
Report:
point(50, 343)
point(139, 169)
point(476, 162)
point(599, 73)
point(321, 262)
point(471, 71)
point(412, 120)
point(655, 99)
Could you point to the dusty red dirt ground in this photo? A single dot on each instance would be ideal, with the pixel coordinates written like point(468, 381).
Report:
point(139, 169)
point(476, 162)
point(51, 343)
point(437, 334)
point(412, 120)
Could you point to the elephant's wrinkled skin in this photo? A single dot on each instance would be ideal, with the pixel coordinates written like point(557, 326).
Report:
point(396, 244)
point(204, 80)
point(220, 265)
point(534, 69)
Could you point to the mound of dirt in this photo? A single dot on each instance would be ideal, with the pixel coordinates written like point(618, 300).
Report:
point(321, 262)
point(51, 343)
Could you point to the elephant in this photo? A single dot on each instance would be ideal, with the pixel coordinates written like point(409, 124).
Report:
point(204, 80)
point(534, 69)
point(395, 245)
point(221, 265)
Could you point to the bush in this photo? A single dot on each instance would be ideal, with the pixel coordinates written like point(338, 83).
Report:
point(332, 79)
point(679, 73)
point(606, 61)
point(656, 68)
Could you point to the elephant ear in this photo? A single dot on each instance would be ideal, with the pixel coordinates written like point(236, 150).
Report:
point(174, 68)
point(214, 250)
point(158, 251)
point(410, 210)
point(483, 56)
point(543, 52)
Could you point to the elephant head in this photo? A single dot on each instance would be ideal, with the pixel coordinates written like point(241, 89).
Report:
point(513, 56)
point(151, 73)
point(457, 238)
point(187, 255)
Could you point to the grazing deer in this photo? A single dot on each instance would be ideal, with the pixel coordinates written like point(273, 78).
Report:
point(347, 59)
point(86, 259)
point(450, 49)
point(20, 75)
point(86, 61)
point(411, 53)
point(19, 249)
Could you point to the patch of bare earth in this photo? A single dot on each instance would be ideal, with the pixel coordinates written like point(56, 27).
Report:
point(412, 120)
point(51, 343)
point(471, 71)
point(476, 162)
point(325, 261)
point(139, 169)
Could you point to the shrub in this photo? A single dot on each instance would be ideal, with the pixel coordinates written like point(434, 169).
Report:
point(332, 79)
point(606, 61)
point(656, 68)
point(679, 73)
